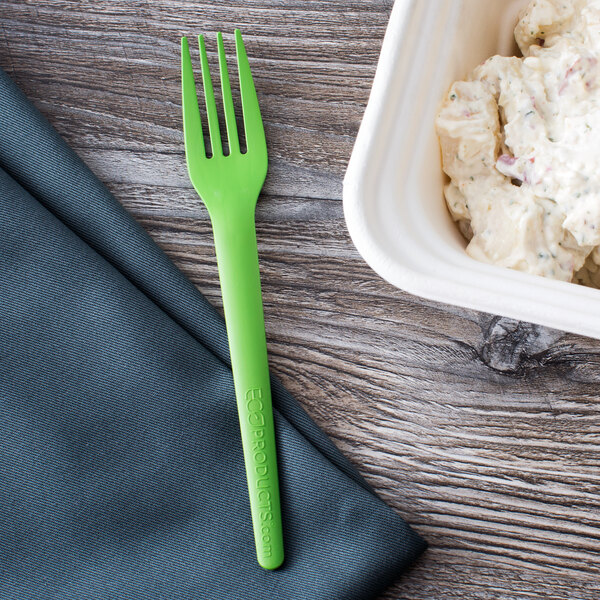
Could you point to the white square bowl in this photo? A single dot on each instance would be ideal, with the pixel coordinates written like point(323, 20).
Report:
point(393, 188)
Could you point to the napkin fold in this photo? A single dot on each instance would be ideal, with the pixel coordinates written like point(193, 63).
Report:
point(121, 469)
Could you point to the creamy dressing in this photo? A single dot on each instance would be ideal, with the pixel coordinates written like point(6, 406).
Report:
point(521, 143)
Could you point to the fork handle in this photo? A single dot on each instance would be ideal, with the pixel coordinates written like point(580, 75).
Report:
point(237, 259)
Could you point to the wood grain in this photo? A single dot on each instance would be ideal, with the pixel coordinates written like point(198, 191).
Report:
point(484, 433)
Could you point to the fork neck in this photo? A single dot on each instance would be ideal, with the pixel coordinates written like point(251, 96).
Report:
point(224, 213)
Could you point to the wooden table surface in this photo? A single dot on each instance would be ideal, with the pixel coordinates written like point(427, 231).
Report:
point(483, 433)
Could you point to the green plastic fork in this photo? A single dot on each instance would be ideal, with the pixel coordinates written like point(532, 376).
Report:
point(229, 186)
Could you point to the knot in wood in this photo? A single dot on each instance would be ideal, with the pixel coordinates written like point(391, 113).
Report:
point(514, 347)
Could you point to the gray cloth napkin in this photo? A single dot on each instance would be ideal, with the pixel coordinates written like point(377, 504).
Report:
point(121, 469)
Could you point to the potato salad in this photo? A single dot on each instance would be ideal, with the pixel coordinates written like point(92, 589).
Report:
point(520, 142)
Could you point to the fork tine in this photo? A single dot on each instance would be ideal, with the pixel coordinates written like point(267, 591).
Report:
point(192, 125)
point(232, 132)
point(209, 98)
point(253, 125)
